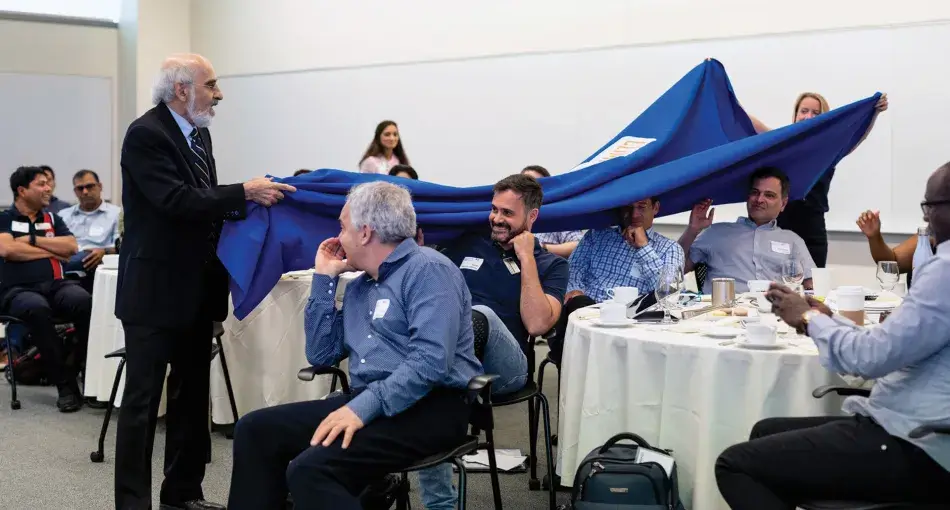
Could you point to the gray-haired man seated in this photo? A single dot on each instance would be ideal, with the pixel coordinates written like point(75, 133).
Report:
point(406, 328)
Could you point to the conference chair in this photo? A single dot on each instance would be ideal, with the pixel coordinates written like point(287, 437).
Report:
point(699, 272)
point(917, 433)
point(216, 349)
point(482, 419)
point(64, 331)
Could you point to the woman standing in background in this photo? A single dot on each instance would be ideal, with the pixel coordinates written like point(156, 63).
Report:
point(807, 217)
point(385, 151)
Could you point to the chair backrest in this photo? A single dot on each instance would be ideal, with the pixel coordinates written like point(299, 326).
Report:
point(699, 271)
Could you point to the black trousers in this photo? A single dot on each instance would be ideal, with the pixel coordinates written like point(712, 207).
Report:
point(149, 351)
point(36, 305)
point(789, 461)
point(556, 342)
point(272, 452)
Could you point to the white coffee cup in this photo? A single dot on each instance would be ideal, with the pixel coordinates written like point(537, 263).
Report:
point(821, 281)
point(110, 261)
point(612, 312)
point(758, 285)
point(625, 295)
point(850, 302)
point(760, 333)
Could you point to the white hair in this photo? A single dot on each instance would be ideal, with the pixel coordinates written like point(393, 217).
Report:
point(172, 72)
point(385, 207)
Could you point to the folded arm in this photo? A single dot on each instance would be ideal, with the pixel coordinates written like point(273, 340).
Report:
point(15, 251)
point(60, 246)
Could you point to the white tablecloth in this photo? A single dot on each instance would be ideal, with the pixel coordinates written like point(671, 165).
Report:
point(678, 391)
point(264, 351)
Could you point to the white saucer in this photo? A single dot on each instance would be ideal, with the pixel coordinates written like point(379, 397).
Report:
point(779, 345)
point(722, 333)
point(622, 324)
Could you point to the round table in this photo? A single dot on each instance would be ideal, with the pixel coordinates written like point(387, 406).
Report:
point(680, 391)
point(264, 351)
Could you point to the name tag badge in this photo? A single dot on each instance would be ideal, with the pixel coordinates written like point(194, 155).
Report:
point(381, 306)
point(43, 226)
point(782, 248)
point(21, 227)
point(635, 271)
point(512, 266)
point(96, 230)
point(471, 263)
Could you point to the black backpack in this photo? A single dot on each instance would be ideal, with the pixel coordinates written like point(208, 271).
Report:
point(610, 478)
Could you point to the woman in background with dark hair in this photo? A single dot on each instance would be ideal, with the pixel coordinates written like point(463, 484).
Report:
point(404, 171)
point(301, 172)
point(385, 151)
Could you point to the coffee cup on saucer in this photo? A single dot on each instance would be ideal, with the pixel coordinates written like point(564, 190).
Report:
point(613, 312)
point(625, 295)
point(760, 333)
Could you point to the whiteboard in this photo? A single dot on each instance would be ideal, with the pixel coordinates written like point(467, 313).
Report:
point(65, 122)
point(473, 121)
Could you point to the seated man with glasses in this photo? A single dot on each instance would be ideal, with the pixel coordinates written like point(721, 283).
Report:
point(94, 222)
point(753, 247)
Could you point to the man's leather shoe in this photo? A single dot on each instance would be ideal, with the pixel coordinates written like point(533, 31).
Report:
point(198, 504)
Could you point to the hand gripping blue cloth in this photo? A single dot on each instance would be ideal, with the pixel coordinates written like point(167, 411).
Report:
point(694, 142)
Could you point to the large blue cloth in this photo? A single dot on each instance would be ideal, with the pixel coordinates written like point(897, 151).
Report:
point(694, 142)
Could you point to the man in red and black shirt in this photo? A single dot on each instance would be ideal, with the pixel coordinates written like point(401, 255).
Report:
point(34, 244)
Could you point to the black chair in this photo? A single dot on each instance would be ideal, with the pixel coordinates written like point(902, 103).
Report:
point(699, 271)
point(481, 419)
point(216, 349)
point(917, 433)
point(64, 331)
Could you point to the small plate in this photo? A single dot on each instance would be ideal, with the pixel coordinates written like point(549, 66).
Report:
point(777, 346)
point(622, 324)
point(722, 333)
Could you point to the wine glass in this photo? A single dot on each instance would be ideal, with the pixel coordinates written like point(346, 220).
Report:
point(668, 288)
point(793, 273)
point(888, 273)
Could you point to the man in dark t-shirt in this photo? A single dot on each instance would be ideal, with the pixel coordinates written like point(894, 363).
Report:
point(34, 243)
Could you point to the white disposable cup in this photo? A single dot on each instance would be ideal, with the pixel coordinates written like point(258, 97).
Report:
point(758, 285)
point(760, 333)
point(850, 301)
point(821, 281)
point(613, 312)
point(624, 295)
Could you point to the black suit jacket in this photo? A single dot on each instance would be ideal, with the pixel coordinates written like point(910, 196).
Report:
point(169, 276)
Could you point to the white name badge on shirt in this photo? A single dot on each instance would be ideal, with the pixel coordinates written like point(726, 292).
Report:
point(96, 230)
point(471, 263)
point(19, 226)
point(782, 248)
point(43, 226)
point(381, 306)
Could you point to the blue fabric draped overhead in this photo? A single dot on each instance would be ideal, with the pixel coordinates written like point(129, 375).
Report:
point(694, 142)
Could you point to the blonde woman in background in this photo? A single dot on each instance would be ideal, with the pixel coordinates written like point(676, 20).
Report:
point(807, 217)
point(385, 151)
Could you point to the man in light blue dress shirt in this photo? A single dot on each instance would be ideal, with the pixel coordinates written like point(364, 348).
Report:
point(94, 222)
point(868, 456)
point(406, 330)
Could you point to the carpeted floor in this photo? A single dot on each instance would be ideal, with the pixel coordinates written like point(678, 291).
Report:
point(44, 457)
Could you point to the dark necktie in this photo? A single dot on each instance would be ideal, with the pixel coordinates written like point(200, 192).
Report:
point(201, 159)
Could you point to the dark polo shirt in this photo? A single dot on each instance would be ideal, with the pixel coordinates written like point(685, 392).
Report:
point(47, 224)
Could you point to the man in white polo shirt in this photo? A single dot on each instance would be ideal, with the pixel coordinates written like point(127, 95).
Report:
point(752, 248)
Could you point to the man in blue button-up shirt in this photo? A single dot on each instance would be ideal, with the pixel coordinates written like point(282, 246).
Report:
point(869, 456)
point(406, 329)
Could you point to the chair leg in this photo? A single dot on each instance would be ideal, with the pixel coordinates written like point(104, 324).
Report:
point(14, 403)
point(533, 482)
point(545, 409)
point(227, 379)
point(493, 468)
point(463, 481)
point(99, 454)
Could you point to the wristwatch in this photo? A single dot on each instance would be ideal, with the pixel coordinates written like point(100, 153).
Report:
point(807, 317)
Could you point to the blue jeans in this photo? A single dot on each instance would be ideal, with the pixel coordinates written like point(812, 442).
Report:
point(503, 357)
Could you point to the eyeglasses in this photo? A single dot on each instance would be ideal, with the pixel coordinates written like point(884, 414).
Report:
point(85, 187)
point(927, 205)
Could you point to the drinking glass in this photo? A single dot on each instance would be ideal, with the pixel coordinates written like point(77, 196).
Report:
point(793, 274)
point(668, 288)
point(888, 273)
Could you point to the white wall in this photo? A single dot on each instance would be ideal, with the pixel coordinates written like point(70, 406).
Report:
point(46, 48)
point(253, 37)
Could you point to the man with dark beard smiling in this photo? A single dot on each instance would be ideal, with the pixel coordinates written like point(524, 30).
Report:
point(517, 286)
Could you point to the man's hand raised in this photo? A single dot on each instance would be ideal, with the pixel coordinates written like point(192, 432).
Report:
point(265, 191)
point(331, 259)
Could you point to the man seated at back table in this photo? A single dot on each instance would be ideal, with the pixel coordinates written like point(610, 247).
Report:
point(869, 456)
point(517, 286)
point(406, 328)
point(751, 248)
point(94, 222)
point(630, 255)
